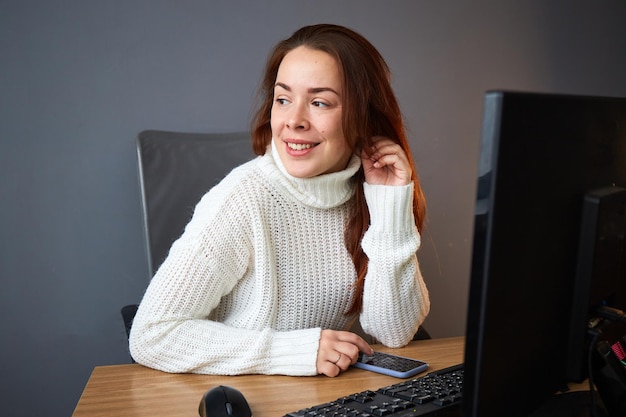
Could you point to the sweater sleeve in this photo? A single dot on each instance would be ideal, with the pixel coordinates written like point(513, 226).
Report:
point(172, 330)
point(395, 297)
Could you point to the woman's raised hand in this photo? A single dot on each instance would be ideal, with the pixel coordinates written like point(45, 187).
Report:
point(386, 163)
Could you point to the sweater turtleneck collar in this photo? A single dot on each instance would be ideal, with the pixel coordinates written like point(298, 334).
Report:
point(322, 191)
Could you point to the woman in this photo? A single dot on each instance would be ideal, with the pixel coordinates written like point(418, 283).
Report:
point(287, 251)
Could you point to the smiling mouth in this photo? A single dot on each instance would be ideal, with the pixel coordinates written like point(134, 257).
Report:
point(301, 146)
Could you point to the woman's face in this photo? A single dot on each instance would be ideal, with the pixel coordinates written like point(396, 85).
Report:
point(306, 114)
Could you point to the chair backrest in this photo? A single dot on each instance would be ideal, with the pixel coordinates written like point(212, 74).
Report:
point(176, 170)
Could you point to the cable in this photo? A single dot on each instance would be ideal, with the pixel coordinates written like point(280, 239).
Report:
point(606, 315)
point(611, 313)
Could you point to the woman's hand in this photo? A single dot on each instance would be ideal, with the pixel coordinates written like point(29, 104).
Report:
point(386, 163)
point(338, 350)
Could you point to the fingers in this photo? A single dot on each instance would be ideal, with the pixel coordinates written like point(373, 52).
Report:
point(386, 152)
point(338, 350)
point(386, 163)
point(334, 367)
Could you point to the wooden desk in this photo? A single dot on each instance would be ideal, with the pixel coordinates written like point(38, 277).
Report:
point(136, 391)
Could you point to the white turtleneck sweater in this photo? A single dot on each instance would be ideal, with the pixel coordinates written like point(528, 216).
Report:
point(262, 268)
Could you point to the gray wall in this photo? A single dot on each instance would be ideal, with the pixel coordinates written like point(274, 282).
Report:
point(79, 80)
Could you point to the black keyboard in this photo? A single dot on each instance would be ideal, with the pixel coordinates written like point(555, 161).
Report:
point(435, 394)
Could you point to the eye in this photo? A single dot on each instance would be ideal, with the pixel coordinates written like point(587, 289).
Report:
point(281, 101)
point(320, 104)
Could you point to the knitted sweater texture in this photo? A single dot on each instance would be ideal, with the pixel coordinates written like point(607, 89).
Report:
point(262, 268)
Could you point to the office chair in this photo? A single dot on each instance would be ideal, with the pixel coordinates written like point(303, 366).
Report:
point(175, 170)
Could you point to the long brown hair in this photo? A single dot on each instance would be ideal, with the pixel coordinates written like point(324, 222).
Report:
point(370, 108)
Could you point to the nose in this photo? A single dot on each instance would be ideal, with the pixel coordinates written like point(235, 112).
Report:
point(297, 118)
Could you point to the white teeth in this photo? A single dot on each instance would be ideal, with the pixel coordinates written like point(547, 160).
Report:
point(299, 146)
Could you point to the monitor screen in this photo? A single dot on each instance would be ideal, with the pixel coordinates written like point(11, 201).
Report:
point(540, 155)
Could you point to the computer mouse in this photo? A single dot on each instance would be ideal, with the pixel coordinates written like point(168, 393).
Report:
point(224, 401)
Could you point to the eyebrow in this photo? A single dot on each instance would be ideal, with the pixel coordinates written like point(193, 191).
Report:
point(313, 90)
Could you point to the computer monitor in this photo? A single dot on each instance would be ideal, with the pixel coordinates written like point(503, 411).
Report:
point(600, 279)
point(540, 155)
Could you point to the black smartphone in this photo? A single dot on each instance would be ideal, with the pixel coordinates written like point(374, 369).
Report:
point(392, 365)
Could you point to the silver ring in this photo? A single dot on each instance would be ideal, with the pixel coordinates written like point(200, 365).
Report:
point(338, 359)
